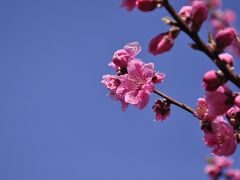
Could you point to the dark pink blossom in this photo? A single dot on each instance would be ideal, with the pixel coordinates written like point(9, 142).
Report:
point(219, 101)
point(161, 43)
point(199, 15)
point(211, 80)
point(162, 109)
point(225, 38)
point(146, 5)
point(221, 138)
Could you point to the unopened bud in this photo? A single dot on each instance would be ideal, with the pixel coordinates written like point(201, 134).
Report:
point(225, 38)
point(227, 58)
point(199, 15)
point(146, 5)
point(212, 80)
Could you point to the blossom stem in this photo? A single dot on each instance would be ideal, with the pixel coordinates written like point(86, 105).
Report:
point(213, 55)
point(175, 102)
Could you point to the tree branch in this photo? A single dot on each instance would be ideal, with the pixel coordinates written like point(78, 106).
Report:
point(213, 55)
point(175, 102)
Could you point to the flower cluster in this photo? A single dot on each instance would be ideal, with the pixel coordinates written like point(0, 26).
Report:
point(134, 80)
point(222, 22)
point(219, 111)
point(220, 134)
point(221, 166)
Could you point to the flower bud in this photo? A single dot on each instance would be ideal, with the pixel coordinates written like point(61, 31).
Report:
point(211, 80)
point(146, 5)
point(227, 58)
point(161, 43)
point(185, 13)
point(199, 15)
point(162, 109)
point(225, 37)
point(129, 4)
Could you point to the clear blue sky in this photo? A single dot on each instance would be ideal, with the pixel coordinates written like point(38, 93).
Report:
point(56, 122)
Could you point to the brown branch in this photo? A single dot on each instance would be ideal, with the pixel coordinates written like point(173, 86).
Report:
point(175, 102)
point(228, 72)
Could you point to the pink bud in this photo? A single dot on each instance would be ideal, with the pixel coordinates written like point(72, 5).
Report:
point(211, 80)
point(186, 13)
point(227, 58)
point(146, 5)
point(225, 37)
point(199, 15)
point(161, 43)
point(129, 4)
point(162, 109)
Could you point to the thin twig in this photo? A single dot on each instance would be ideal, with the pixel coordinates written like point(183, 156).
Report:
point(175, 102)
point(228, 72)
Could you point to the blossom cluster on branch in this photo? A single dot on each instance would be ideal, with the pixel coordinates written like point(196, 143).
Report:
point(219, 111)
point(221, 167)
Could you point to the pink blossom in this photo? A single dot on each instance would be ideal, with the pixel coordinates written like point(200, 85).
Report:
point(113, 82)
point(162, 109)
point(161, 43)
point(216, 166)
point(146, 5)
point(227, 58)
point(199, 15)
point(129, 4)
point(138, 83)
point(233, 174)
point(225, 37)
point(211, 80)
point(221, 138)
point(222, 162)
point(219, 101)
point(123, 56)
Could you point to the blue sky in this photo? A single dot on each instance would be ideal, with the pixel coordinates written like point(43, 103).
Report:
point(56, 120)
